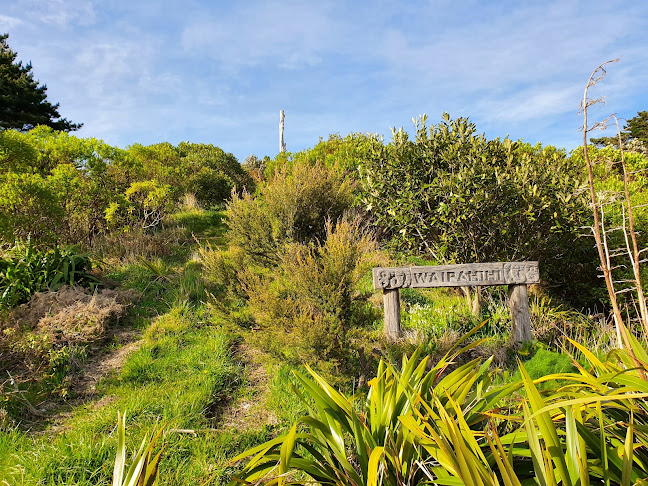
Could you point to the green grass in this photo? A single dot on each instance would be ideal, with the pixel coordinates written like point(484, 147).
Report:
point(434, 312)
point(283, 401)
point(183, 375)
point(203, 223)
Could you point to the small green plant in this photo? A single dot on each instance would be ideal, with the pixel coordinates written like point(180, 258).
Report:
point(544, 362)
point(143, 470)
point(26, 269)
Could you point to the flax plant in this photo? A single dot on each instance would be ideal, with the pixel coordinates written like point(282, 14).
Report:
point(143, 470)
point(353, 441)
point(447, 427)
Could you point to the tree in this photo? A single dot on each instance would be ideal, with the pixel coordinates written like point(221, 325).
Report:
point(23, 103)
point(636, 128)
point(459, 198)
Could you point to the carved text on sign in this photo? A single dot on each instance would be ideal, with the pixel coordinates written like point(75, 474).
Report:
point(469, 274)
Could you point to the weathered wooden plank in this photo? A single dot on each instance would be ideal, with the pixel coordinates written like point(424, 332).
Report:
point(462, 275)
point(392, 326)
point(519, 305)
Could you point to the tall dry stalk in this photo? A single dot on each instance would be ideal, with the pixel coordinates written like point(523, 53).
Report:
point(596, 76)
point(633, 251)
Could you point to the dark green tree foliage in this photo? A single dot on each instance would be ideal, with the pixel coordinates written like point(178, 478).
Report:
point(636, 128)
point(23, 103)
point(460, 198)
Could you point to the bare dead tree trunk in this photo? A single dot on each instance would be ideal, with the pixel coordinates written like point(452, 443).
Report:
point(596, 76)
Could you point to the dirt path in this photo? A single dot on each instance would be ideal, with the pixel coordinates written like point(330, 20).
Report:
point(83, 386)
point(84, 383)
point(250, 411)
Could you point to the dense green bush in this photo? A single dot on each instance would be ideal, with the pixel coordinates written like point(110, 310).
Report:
point(459, 198)
point(214, 173)
point(366, 438)
point(28, 206)
point(346, 154)
point(60, 189)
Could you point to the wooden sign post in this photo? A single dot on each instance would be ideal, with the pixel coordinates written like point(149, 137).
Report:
point(517, 275)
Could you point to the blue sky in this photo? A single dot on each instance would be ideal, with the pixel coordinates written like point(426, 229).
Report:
point(143, 71)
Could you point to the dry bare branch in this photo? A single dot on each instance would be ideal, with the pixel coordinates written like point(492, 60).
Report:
point(633, 253)
point(622, 336)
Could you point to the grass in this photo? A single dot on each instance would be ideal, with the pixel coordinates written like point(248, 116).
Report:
point(184, 374)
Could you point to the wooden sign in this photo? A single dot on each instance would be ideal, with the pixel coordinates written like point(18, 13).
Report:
point(466, 275)
point(514, 274)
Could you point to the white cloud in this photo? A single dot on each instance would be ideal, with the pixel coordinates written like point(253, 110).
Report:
point(7, 23)
point(528, 104)
point(60, 12)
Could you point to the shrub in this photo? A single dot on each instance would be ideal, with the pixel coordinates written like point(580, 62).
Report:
point(221, 268)
point(545, 362)
point(210, 187)
point(16, 153)
point(28, 207)
point(293, 205)
point(144, 205)
point(345, 154)
point(458, 197)
point(137, 244)
point(251, 228)
point(308, 307)
point(199, 155)
point(303, 199)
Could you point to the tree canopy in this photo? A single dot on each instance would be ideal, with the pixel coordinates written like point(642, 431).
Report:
point(23, 103)
point(457, 197)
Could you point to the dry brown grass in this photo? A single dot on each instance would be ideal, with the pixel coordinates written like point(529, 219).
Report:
point(71, 314)
point(45, 341)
